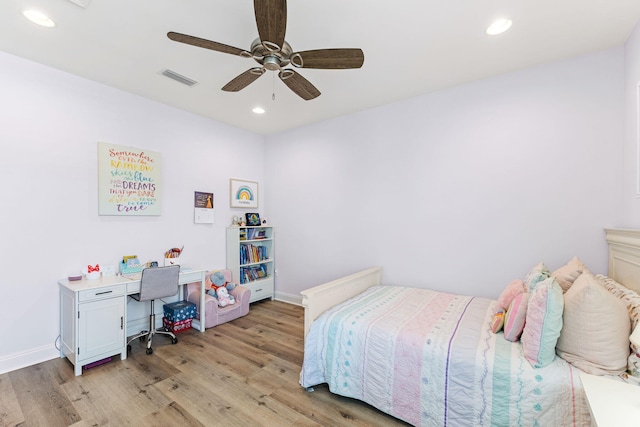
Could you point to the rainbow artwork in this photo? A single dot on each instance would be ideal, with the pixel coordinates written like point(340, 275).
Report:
point(244, 193)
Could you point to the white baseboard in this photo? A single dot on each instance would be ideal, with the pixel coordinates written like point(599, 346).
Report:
point(34, 356)
point(288, 298)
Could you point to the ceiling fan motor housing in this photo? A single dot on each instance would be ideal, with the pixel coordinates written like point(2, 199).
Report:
point(272, 60)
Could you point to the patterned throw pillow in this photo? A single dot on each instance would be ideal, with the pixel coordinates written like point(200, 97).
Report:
point(631, 300)
point(536, 275)
point(543, 323)
point(515, 318)
point(497, 322)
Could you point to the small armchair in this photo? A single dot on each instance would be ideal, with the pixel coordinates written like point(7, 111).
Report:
point(214, 314)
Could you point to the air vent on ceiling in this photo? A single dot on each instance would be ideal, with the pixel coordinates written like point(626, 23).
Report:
point(179, 78)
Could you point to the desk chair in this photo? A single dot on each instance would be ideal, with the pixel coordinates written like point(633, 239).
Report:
point(156, 282)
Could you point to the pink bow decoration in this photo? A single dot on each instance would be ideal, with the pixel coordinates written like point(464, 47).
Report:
point(92, 269)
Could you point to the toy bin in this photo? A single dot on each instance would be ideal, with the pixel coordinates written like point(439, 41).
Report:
point(180, 310)
point(175, 327)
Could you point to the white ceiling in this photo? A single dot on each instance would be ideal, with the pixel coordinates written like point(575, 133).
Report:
point(411, 47)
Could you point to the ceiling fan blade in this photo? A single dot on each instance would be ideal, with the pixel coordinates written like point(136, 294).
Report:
point(335, 59)
point(298, 84)
point(244, 79)
point(271, 19)
point(207, 44)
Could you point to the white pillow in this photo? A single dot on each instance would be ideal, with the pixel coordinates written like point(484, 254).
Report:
point(596, 329)
point(568, 273)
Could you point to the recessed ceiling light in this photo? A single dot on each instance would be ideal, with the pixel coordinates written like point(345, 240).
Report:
point(258, 110)
point(39, 18)
point(499, 26)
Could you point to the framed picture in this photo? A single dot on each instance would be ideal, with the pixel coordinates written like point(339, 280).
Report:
point(244, 194)
point(253, 218)
point(129, 180)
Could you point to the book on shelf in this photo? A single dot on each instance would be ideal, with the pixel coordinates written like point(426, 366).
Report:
point(252, 273)
point(255, 234)
point(253, 253)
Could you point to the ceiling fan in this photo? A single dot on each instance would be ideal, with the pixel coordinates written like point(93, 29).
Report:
point(273, 53)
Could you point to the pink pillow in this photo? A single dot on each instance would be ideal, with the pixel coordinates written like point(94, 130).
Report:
point(516, 316)
point(510, 292)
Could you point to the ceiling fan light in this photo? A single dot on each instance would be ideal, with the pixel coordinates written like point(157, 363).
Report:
point(38, 18)
point(499, 26)
point(271, 63)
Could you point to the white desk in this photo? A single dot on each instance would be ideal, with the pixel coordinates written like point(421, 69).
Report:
point(93, 315)
point(612, 403)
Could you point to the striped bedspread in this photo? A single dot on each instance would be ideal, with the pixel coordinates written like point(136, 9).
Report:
point(429, 358)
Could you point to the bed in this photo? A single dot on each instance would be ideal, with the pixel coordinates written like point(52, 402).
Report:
point(430, 358)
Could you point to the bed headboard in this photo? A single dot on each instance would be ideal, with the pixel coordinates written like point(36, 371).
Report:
point(624, 256)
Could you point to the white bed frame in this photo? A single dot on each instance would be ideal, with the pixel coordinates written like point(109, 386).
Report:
point(320, 298)
point(624, 267)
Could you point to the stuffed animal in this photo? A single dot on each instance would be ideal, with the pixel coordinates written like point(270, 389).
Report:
point(218, 282)
point(224, 298)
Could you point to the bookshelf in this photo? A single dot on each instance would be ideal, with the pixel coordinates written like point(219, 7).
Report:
point(250, 259)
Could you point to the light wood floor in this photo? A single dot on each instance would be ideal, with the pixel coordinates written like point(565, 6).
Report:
point(242, 373)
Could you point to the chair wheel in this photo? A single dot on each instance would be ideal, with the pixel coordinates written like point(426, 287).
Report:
point(174, 340)
point(149, 350)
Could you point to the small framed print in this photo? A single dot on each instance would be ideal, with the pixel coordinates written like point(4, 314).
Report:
point(253, 219)
point(243, 194)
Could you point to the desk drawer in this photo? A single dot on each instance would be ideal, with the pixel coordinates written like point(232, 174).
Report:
point(101, 293)
point(133, 288)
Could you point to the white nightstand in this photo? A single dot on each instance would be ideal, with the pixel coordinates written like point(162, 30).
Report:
point(611, 403)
